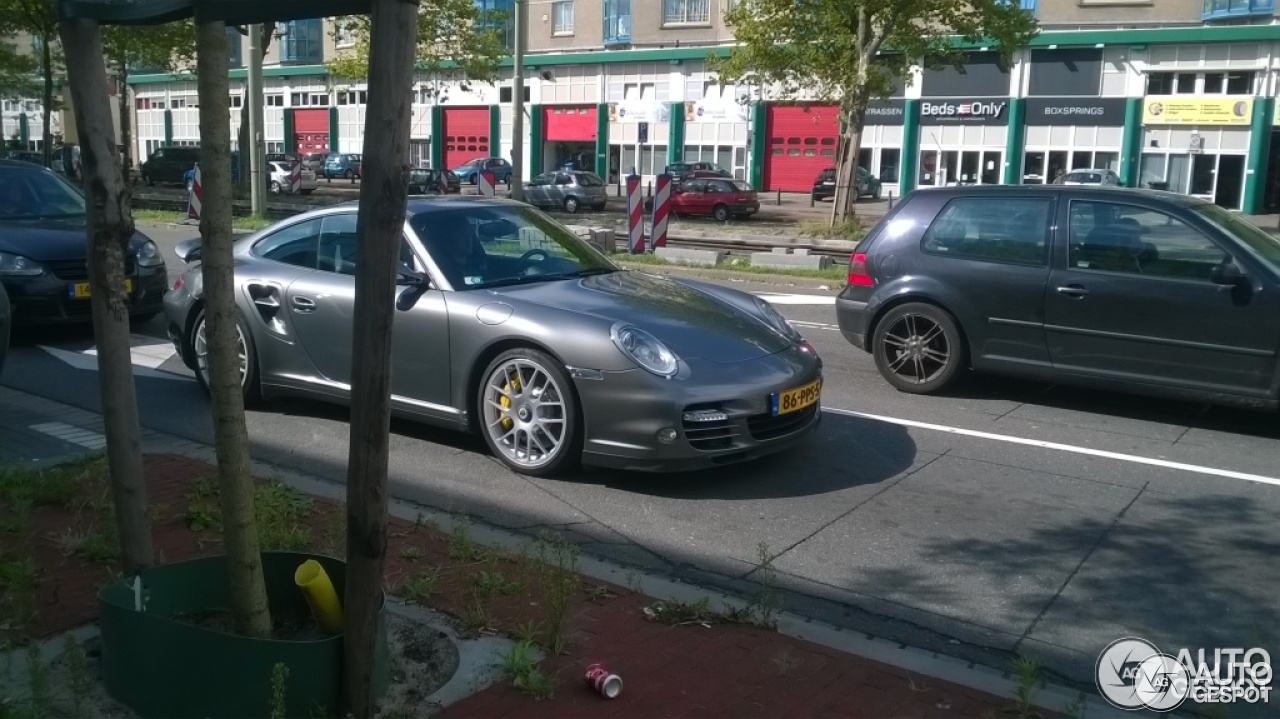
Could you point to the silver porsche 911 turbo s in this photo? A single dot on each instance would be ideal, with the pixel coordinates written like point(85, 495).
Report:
point(510, 325)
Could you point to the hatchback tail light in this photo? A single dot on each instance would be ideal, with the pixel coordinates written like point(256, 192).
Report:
point(858, 275)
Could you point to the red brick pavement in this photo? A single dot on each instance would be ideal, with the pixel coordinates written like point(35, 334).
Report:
point(668, 672)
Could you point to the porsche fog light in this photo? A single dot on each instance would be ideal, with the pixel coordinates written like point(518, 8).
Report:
point(667, 435)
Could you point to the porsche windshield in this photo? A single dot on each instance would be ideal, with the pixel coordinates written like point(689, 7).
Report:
point(479, 247)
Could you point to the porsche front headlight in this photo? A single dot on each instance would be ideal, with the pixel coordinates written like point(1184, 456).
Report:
point(646, 350)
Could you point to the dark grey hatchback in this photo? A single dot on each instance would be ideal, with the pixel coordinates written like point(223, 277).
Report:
point(1134, 290)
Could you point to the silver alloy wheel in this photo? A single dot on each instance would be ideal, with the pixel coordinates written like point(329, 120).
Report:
point(916, 349)
point(524, 413)
point(200, 344)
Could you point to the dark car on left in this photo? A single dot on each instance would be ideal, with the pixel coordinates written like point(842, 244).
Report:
point(43, 260)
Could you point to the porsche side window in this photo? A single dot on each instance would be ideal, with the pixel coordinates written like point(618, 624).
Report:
point(295, 245)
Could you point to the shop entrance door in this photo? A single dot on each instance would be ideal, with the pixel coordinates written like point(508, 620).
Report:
point(1230, 185)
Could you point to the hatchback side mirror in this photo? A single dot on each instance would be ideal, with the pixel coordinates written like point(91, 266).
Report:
point(1228, 273)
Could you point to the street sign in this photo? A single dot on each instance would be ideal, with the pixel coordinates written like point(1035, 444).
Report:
point(644, 132)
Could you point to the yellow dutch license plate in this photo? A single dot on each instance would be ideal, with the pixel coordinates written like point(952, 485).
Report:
point(80, 290)
point(794, 400)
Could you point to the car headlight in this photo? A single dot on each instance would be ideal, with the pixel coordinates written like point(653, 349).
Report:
point(777, 321)
point(18, 266)
point(149, 256)
point(645, 350)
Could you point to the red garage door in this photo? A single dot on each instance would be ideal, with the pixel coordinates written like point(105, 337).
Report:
point(569, 124)
point(466, 135)
point(311, 131)
point(802, 143)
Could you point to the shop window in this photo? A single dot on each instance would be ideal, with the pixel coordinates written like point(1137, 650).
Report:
point(810, 140)
point(1239, 83)
point(793, 152)
point(506, 93)
point(273, 100)
point(1214, 82)
point(1110, 237)
point(810, 152)
point(793, 141)
point(1008, 231)
point(1185, 84)
point(1160, 83)
point(828, 153)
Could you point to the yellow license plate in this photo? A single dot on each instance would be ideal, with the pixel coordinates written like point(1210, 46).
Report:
point(794, 400)
point(80, 290)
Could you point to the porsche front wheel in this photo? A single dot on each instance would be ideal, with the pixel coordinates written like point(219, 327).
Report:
point(528, 413)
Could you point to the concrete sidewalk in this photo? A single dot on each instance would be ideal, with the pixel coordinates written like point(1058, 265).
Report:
point(722, 669)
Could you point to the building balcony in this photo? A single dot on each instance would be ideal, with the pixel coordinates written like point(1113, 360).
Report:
point(1232, 9)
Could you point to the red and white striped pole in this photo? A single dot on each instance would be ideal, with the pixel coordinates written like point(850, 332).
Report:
point(485, 183)
point(193, 198)
point(661, 208)
point(295, 179)
point(635, 216)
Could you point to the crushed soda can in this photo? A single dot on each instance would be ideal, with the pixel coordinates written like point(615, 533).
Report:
point(606, 684)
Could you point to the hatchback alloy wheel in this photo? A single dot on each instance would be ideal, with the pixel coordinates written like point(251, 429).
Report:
point(918, 349)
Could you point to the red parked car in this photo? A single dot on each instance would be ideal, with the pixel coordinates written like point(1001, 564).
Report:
point(718, 197)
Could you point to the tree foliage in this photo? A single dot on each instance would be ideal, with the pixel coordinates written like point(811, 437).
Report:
point(849, 53)
point(167, 47)
point(451, 34)
point(17, 73)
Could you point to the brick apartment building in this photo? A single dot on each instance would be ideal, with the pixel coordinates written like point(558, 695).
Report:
point(1178, 94)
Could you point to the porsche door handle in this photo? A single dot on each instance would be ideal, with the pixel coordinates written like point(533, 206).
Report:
point(1076, 291)
point(303, 304)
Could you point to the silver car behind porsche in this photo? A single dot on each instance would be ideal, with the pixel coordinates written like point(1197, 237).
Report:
point(511, 326)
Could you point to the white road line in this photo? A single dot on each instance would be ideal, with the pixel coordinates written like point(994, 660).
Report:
point(784, 299)
point(1136, 459)
point(815, 325)
point(147, 351)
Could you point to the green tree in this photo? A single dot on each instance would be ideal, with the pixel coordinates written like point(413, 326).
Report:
point(452, 34)
point(849, 53)
point(167, 47)
point(39, 19)
point(17, 73)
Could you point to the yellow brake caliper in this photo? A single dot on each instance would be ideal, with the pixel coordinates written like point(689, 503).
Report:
point(512, 385)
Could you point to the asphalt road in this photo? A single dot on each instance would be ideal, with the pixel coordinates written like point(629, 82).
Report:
point(1007, 517)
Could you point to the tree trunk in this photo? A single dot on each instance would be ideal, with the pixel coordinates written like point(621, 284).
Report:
point(252, 616)
point(126, 117)
point(843, 205)
point(109, 225)
point(394, 33)
point(47, 57)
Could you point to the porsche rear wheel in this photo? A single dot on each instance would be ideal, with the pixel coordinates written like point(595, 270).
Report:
point(528, 413)
point(244, 351)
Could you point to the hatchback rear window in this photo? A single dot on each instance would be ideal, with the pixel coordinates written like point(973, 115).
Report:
point(1013, 230)
point(741, 186)
point(586, 179)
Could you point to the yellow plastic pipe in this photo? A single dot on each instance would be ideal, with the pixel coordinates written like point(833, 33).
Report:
point(321, 597)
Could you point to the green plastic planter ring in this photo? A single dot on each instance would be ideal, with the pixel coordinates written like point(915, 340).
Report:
point(160, 666)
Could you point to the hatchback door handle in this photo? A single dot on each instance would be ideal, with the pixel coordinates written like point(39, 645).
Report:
point(1073, 291)
point(303, 304)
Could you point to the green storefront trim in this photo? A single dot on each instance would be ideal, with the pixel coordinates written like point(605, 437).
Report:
point(602, 140)
point(1255, 174)
point(675, 133)
point(535, 140)
point(759, 144)
point(1131, 142)
point(333, 129)
point(495, 131)
point(168, 126)
point(437, 138)
point(908, 162)
point(290, 131)
point(1014, 140)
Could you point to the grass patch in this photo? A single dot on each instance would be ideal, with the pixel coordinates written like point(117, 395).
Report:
point(421, 587)
point(521, 667)
point(23, 488)
point(849, 229)
point(281, 512)
point(252, 223)
point(835, 273)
